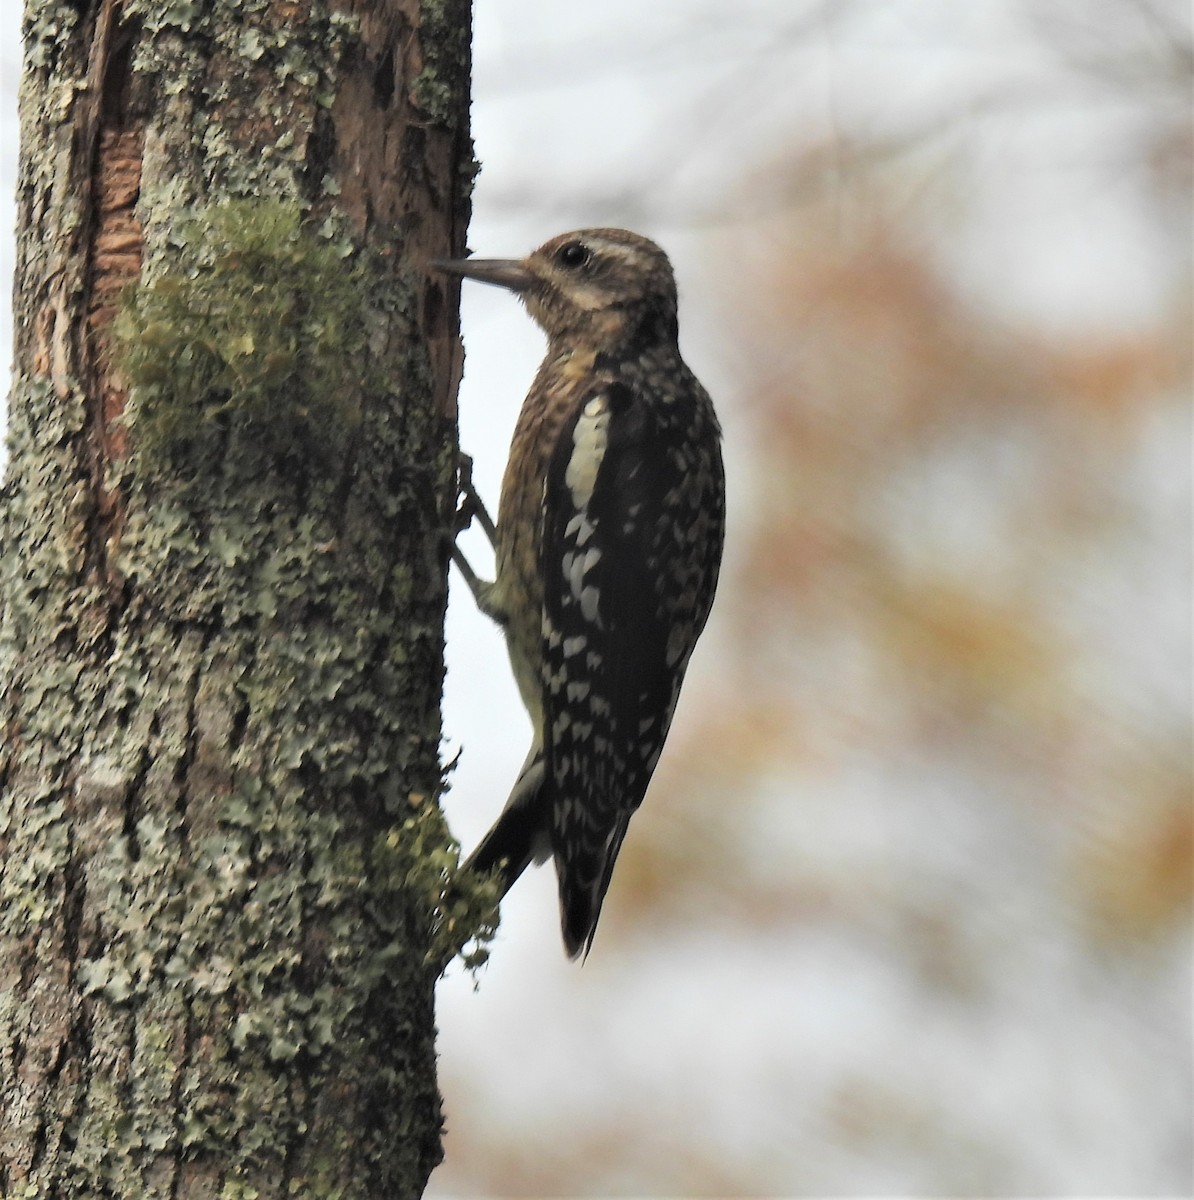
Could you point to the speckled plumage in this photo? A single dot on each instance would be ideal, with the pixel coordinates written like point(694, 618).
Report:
point(609, 539)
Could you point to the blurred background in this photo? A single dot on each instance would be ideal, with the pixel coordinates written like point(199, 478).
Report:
point(907, 910)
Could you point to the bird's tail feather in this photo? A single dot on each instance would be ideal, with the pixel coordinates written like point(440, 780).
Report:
point(519, 835)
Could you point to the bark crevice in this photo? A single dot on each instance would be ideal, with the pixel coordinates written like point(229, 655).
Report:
point(111, 141)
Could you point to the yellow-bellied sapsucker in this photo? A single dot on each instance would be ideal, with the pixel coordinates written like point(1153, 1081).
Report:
point(608, 544)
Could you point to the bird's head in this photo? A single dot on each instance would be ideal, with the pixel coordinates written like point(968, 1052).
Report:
point(607, 285)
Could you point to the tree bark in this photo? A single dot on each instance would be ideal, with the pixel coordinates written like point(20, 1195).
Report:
point(220, 844)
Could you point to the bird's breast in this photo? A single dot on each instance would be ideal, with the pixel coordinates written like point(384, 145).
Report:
point(562, 382)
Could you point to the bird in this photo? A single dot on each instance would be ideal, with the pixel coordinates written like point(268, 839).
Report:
point(608, 546)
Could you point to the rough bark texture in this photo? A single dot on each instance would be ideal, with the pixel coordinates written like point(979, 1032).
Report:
point(221, 695)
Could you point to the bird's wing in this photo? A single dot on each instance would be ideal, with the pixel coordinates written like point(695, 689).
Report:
point(630, 548)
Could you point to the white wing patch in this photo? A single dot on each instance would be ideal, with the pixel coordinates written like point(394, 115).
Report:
point(590, 436)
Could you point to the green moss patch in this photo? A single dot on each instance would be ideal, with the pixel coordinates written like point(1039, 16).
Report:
point(253, 331)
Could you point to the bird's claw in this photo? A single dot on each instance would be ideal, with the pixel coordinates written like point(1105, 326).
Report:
point(468, 504)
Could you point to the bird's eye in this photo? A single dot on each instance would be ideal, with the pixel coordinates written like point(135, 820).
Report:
point(573, 254)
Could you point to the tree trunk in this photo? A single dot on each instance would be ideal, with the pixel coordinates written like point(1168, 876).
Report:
point(222, 604)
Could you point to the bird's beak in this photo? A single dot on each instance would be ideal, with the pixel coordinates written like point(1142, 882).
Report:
point(502, 272)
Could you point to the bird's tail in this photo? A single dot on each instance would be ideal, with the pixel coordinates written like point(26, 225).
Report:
point(519, 835)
